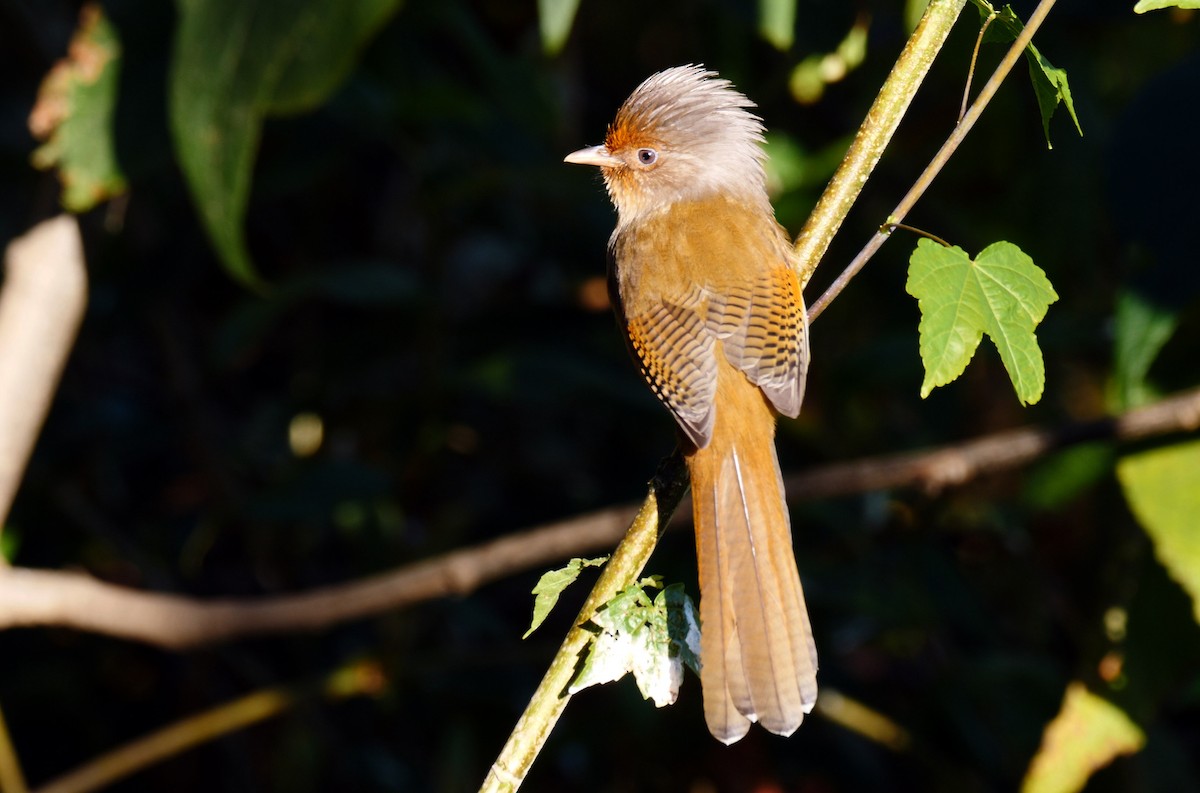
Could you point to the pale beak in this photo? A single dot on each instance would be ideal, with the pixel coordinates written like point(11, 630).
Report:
point(593, 155)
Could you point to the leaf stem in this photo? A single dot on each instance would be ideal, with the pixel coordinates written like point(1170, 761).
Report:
point(940, 159)
point(974, 59)
point(921, 232)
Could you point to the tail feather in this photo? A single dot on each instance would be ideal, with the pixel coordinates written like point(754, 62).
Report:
point(757, 653)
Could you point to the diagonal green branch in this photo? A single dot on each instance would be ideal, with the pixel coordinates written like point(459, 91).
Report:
point(551, 697)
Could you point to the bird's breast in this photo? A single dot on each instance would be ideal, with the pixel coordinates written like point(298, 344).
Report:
point(690, 249)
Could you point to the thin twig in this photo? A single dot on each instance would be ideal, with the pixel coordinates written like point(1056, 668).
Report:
point(962, 110)
point(939, 160)
point(11, 778)
point(363, 677)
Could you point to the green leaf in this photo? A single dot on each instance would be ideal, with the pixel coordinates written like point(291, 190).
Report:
point(235, 62)
point(1154, 5)
point(1001, 293)
point(555, 18)
point(777, 22)
point(1086, 735)
point(74, 115)
point(1162, 487)
point(651, 639)
point(1142, 328)
point(552, 584)
point(1050, 84)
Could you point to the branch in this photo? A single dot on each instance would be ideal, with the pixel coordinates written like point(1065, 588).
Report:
point(355, 679)
point(41, 305)
point(67, 599)
point(936, 469)
point(551, 697)
point(44, 597)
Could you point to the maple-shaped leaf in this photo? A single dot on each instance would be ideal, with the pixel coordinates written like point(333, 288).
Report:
point(1001, 293)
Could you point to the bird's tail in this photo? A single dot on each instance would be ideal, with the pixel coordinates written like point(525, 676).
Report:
point(758, 658)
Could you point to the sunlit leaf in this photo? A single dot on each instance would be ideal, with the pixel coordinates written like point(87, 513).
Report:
point(1086, 735)
point(1154, 5)
point(1162, 487)
point(1001, 293)
point(551, 585)
point(74, 115)
point(236, 61)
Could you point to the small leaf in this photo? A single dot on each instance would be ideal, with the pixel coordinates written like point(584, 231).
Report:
point(1086, 735)
point(1162, 487)
point(555, 18)
point(1001, 293)
point(234, 62)
point(1051, 88)
point(652, 639)
point(1154, 5)
point(74, 115)
point(552, 584)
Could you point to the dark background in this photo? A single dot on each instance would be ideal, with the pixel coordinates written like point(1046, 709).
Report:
point(431, 260)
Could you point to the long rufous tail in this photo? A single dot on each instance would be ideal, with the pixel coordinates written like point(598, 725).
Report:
point(759, 661)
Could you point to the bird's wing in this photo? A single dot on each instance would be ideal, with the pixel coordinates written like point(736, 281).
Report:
point(764, 327)
point(676, 356)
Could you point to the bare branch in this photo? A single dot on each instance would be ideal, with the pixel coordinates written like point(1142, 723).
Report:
point(43, 597)
point(935, 469)
point(41, 305)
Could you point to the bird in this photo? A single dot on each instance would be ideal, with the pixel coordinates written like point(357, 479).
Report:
point(706, 292)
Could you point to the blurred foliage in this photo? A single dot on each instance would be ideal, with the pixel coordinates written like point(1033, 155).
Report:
point(432, 302)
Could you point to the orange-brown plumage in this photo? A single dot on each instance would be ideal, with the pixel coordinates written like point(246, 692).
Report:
point(712, 310)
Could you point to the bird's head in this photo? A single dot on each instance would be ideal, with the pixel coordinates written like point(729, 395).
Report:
point(683, 134)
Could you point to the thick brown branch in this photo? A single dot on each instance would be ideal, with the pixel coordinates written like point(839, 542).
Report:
point(40, 597)
point(935, 469)
point(44, 597)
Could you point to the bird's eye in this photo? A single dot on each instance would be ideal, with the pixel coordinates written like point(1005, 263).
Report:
point(647, 156)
